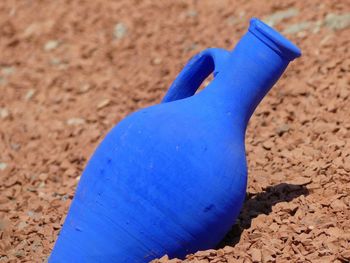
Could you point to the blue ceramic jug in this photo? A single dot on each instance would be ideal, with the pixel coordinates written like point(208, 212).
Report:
point(171, 178)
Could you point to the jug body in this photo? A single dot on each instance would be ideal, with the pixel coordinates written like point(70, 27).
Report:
point(171, 178)
point(173, 186)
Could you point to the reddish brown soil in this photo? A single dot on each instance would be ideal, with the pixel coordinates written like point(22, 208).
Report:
point(69, 71)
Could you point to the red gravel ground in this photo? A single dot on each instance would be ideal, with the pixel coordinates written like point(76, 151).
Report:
point(70, 70)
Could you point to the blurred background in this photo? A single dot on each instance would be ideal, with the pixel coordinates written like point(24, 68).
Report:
point(70, 70)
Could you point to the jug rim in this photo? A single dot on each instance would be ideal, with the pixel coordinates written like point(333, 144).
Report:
point(274, 39)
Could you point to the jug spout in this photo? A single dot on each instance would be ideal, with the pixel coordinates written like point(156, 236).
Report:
point(253, 67)
point(274, 40)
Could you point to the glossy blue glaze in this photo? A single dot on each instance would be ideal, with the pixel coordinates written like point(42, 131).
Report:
point(171, 178)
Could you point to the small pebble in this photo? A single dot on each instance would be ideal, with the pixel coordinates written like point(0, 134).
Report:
point(120, 30)
point(3, 166)
point(282, 129)
point(51, 45)
point(278, 16)
point(4, 113)
point(75, 121)
point(256, 255)
point(30, 93)
point(337, 21)
point(192, 13)
point(103, 103)
point(8, 71)
point(296, 28)
point(267, 145)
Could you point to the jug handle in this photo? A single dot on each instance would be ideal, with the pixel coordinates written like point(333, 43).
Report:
point(195, 72)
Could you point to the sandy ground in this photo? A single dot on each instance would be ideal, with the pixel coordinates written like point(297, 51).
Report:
point(70, 70)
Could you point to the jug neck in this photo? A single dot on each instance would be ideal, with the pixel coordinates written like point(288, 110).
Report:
point(253, 67)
